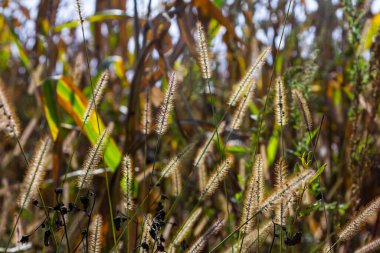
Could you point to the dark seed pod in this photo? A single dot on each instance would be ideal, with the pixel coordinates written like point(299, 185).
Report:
point(47, 237)
point(24, 239)
point(35, 202)
point(58, 191)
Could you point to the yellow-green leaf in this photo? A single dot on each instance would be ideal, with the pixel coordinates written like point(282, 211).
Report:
point(97, 17)
point(61, 92)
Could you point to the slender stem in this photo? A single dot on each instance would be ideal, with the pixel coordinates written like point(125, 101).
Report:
point(110, 208)
point(67, 237)
point(89, 74)
point(47, 217)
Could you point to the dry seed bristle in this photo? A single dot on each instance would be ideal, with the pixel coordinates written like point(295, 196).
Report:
point(146, 121)
point(35, 173)
point(146, 238)
point(302, 104)
point(187, 226)
point(92, 161)
point(200, 243)
point(175, 162)
point(202, 176)
point(250, 241)
point(127, 170)
point(356, 223)
point(248, 77)
point(280, 178)
point(280, 104)
point(218, 175)
point(253, 195)
point(171, 248)
point(177, 182)
point(290, 186)
point(207, 146)
point(370, 247)
point(96, 234)
point(203, 53)
point(238, 116)
point(9, 121)
point(96, 96)
point(167, 106)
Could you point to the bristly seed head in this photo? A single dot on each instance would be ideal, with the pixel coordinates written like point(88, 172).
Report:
point(187, 227)
point(253, 195)
point(146, 120)
point(280, 104)
point(370, 247)
point(35, 173)
point(215, 179)
point(167, 106)
point(248, 77)
point(96, 234)
point(280, 178)
point(127, 173)
point(92, 161)
point(9, 121)
point(238, 116)
point(200, 243)
point(203, 53)
point(96, 96)
point(302, 104)
point(356, 223)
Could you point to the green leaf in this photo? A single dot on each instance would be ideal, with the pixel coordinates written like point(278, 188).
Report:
point(218, 3)
point(14, 38)
point(318, 173)
point(272, 147)
point(61, 92)
point(47, 95)
point(314, 207)
point(97, 17)
point(238, 150)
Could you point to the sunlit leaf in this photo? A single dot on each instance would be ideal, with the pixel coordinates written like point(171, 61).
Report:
point(97, 17)
point(63, 92)
point(370, 31)
point(318, 173)
point(272, 147)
